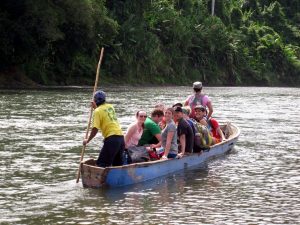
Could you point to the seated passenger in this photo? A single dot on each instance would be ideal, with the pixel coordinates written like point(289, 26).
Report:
point(215, 130)
point(184, 133)
point(198, 143)
point(186, 110)
point(152, 132)
point(212, 124)
point(135, 130)
point(162, 107)
point(200, 112)
point(178, 104)
point(169, 136)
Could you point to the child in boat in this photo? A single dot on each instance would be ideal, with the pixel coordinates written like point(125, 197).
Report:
point(135, 129)
point(105, 120)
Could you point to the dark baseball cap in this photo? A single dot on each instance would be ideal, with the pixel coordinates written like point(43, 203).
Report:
point(178, 109)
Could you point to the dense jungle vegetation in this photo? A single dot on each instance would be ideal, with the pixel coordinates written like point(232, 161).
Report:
point(57, 42)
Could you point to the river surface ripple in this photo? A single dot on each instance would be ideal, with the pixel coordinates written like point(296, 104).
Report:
point(40, 143)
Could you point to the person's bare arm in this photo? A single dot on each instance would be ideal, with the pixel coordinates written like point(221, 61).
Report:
point(182, 140)
point(203, 122)
point(210, 109)
point(168, 142)
point(158, 137)
point(92, 135)
point(129, 134)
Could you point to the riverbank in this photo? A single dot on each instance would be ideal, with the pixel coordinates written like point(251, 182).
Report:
point(15, 79)
point(169, 43)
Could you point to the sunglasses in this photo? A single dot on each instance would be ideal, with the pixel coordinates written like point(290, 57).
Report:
point(142, 116)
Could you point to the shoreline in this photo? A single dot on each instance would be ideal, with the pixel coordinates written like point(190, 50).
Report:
point(74, 87)
point(15, 80)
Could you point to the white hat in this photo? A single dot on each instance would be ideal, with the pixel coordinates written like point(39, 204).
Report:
point(197, 84)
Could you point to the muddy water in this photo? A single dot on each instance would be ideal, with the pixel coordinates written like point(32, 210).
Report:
point(40, 143)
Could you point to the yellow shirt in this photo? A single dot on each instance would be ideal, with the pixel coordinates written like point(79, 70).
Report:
point(106, 121)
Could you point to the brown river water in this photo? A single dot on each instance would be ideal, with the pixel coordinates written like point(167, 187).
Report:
point(41, 132)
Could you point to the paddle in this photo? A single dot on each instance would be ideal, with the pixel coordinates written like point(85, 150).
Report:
point(91, 112)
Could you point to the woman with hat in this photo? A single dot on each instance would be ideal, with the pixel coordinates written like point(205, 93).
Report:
point(198, 98)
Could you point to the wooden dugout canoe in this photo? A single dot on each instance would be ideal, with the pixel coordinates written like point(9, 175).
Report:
point(96, 177)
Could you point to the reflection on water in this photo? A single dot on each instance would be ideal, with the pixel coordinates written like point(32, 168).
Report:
point(40, 143)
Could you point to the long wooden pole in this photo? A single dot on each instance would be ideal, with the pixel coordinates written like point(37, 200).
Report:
point(91, 112)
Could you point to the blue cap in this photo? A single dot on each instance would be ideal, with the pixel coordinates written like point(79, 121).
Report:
point(99, 97)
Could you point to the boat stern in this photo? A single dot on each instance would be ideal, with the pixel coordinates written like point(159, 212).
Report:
point(92, 176)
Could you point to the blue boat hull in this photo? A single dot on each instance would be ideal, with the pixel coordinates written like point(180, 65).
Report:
point(97, 177)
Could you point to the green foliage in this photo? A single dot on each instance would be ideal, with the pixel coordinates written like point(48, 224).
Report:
point(253, 42)
point(236, 17)
point(45, 38)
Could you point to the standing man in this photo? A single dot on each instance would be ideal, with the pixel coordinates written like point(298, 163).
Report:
point(105, 120)
point(198, 99)
point(184, 133)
